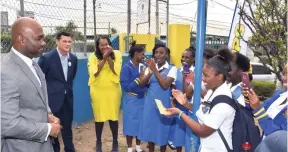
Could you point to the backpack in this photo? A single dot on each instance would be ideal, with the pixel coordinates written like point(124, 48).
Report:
point(244, 128)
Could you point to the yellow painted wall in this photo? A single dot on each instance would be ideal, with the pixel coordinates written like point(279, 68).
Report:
point(148, 39)
point(179, 40)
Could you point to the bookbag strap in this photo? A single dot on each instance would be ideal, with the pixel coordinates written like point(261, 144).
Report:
point(224, 140)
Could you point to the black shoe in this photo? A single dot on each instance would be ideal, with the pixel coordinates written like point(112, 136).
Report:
point(98, 147)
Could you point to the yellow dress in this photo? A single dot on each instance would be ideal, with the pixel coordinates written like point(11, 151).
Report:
point(105, 89)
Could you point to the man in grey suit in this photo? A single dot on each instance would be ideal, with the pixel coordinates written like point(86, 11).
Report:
point(26, 119)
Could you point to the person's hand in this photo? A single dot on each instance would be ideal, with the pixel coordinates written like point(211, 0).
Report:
point(56, 128)
point(245, 90)
point(53, 119)
point(142, 74)
point(180, 97)
point(171, 112)
point(151, 64)
point(173, 102)
point(253, 99)
point(108, 51)
point(189, 77)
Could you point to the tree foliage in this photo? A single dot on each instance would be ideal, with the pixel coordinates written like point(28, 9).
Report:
point(113, 30)
point(267, 20)
point(70, 27)
point(6, 42)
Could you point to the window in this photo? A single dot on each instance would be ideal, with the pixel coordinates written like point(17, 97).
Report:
point(260, 69)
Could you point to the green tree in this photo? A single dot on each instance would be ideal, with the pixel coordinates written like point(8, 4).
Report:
point(50, 42)
point(6, 42)
point(267, 20)
point(71, 28)
point(113, 30)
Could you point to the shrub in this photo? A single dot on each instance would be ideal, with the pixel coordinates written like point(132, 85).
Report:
point(50, 42)
point(6, 42)
point(263, 89)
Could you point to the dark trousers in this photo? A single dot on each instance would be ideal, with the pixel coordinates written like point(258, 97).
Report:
point(65, 114)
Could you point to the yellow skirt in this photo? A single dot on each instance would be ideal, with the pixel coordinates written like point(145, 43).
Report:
point(105, 102)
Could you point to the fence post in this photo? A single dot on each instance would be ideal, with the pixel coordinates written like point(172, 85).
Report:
point(22, 12)
point(85, 28)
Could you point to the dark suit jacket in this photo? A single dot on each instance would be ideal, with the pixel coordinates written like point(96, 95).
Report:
point(51, 66)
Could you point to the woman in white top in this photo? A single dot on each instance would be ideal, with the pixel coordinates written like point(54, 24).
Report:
point(221, 117)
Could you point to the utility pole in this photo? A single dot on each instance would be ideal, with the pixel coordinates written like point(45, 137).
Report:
point(167, 22)
point(157, 17)
point(128, 24)
point(85, 28)
point(94, 16)
point(149, 16)
point(22, 12)
point(109, 29)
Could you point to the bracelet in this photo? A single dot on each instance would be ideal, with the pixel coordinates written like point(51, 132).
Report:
point(180, 114)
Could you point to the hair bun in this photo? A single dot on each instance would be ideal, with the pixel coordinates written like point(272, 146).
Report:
point(225, 54)
point(133, 43)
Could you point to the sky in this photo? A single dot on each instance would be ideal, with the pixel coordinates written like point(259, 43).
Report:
point(113, 13)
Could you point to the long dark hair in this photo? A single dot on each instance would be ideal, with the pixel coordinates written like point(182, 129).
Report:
point(98, 53)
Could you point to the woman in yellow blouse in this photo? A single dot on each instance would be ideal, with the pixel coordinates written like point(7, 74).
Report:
point(104, 67)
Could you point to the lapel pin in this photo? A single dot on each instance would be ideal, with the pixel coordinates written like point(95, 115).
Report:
point(69, 64)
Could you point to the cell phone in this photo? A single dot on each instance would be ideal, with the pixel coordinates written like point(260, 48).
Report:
point(146, 57)
point(186, 68)
point(144, 61)
point(141, 67)
point(246, 80)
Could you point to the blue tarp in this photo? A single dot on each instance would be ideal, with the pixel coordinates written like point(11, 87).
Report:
point(115, 42)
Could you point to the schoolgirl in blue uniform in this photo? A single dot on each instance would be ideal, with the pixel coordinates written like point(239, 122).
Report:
point(133, 82)
point(155, 127)
point(272, 114)
point(178, 127)
point(239, 64)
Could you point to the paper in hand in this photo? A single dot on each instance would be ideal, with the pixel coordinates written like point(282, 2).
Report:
point(160, 106)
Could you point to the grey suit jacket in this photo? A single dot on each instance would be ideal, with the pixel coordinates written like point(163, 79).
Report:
point(24, 108)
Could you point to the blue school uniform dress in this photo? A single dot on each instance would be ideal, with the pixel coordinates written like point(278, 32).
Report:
point(272, 114)
point(154, 126)
point(133, 99)
point(178, 127)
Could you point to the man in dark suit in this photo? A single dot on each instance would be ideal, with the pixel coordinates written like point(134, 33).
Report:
point(59, 67)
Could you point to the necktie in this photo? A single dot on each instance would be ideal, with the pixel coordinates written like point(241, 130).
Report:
point(40, 74)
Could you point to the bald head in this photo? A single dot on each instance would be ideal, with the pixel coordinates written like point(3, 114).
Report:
point(27, 37)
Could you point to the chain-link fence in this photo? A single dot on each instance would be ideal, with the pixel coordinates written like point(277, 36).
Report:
point(68, 15)
point(111, 20)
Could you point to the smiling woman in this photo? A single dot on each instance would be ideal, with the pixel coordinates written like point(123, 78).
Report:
point(221, 116)
point(154, 128)
point(104, 80)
